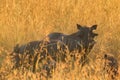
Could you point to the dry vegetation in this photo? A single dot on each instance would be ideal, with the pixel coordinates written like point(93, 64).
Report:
point(22, 21)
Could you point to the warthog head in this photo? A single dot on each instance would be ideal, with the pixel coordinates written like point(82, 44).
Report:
point(85, 36)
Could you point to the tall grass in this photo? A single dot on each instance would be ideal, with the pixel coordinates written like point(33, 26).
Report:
point(22, 21)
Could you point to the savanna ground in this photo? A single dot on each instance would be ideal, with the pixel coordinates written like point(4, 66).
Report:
point(22, 21)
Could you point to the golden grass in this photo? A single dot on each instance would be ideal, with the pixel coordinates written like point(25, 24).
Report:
point(22, 21)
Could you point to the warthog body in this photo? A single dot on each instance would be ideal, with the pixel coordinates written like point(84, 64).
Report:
point(111, 66)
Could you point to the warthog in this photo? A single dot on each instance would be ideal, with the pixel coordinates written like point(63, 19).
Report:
point(57, 45)
point(111, 66)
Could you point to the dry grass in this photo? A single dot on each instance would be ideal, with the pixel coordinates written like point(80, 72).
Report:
point(22, 21)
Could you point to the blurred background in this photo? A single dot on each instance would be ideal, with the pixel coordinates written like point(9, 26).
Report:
point(22, 21)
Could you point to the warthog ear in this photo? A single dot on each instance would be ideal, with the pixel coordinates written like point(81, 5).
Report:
point(79, 26)
point(94, 27)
